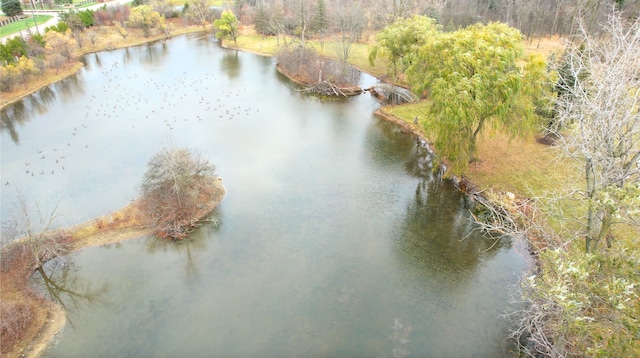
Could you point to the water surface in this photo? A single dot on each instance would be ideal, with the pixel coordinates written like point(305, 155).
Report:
point(335, 238)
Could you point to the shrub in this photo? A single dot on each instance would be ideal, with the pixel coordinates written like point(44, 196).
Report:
point(60, 27)
point(13, 49)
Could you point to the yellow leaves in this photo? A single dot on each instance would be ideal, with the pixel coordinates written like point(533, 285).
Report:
point(57, 44)
point(147, 19)
point(121, 29)
point(402, 39)
point(26, 66)
point(227, 26)
point(16, 73)
point(8, 70)
point(474, 82)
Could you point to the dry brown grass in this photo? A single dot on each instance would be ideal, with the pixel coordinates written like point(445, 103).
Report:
point(519, 165)
point(24, 312)
point(36, 82)
point(545, 46)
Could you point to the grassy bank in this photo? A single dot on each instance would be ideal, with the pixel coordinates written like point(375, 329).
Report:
point(270, 45)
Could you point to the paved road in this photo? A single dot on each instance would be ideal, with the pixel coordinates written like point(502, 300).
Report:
point(54, 20)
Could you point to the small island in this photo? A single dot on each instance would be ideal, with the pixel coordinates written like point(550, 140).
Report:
point(179, 192)
point(317, 74)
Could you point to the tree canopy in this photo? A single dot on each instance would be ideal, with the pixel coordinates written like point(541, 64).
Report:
point(175, 188)
point(398, 41)
point(11, 7)
point(227, 26)
point(147, 19)
point(473, 78)
point(199, 10)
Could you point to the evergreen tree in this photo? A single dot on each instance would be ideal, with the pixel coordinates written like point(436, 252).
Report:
point(11, 7)
point(321, 22)
point(261, 20)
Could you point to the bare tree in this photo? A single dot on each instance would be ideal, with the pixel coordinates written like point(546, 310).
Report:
point(349, 24)
point(269, 19)
point(176, 189)
point(93, 36)
point(35, 229)
point(303, 11)
point(598, 123)
point(200, 11)
point(381, 13)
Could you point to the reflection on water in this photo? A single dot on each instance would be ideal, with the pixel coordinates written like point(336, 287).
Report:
point(69, 88)
point(190, 249)
point(22, 110)
point(153, 53)
point(231, 64)
point(337, 236)
point(59, 280)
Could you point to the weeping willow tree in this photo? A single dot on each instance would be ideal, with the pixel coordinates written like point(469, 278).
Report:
point(475, 79)
point(398, 42)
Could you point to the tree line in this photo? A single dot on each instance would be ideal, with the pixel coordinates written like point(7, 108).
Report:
point(531, 17)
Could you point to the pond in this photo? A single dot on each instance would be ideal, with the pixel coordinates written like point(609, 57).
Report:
point(336, 237)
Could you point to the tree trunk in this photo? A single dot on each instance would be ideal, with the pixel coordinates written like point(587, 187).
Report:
point(475, 135)
point(591, 191)
point(605, 226)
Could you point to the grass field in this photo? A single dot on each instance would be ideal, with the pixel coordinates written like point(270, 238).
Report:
point(20, 25)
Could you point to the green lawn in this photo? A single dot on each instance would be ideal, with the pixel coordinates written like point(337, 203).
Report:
point(22, 24)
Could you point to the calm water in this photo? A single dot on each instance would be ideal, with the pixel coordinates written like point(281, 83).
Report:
point(334, 239)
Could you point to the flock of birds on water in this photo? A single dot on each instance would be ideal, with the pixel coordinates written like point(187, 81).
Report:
point(181, 100)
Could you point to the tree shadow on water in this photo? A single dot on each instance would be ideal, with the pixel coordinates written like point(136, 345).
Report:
point(70, 87)
point(437, 237)
point(21, 112)
point(59, 281)
point(189, 248)
point(152, 53)
point(231, 64)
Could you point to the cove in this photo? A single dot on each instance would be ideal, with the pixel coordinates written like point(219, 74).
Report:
point(335, 238)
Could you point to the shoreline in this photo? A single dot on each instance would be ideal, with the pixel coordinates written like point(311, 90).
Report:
point(120, 225)
point(7, 98)
point(56, 316)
